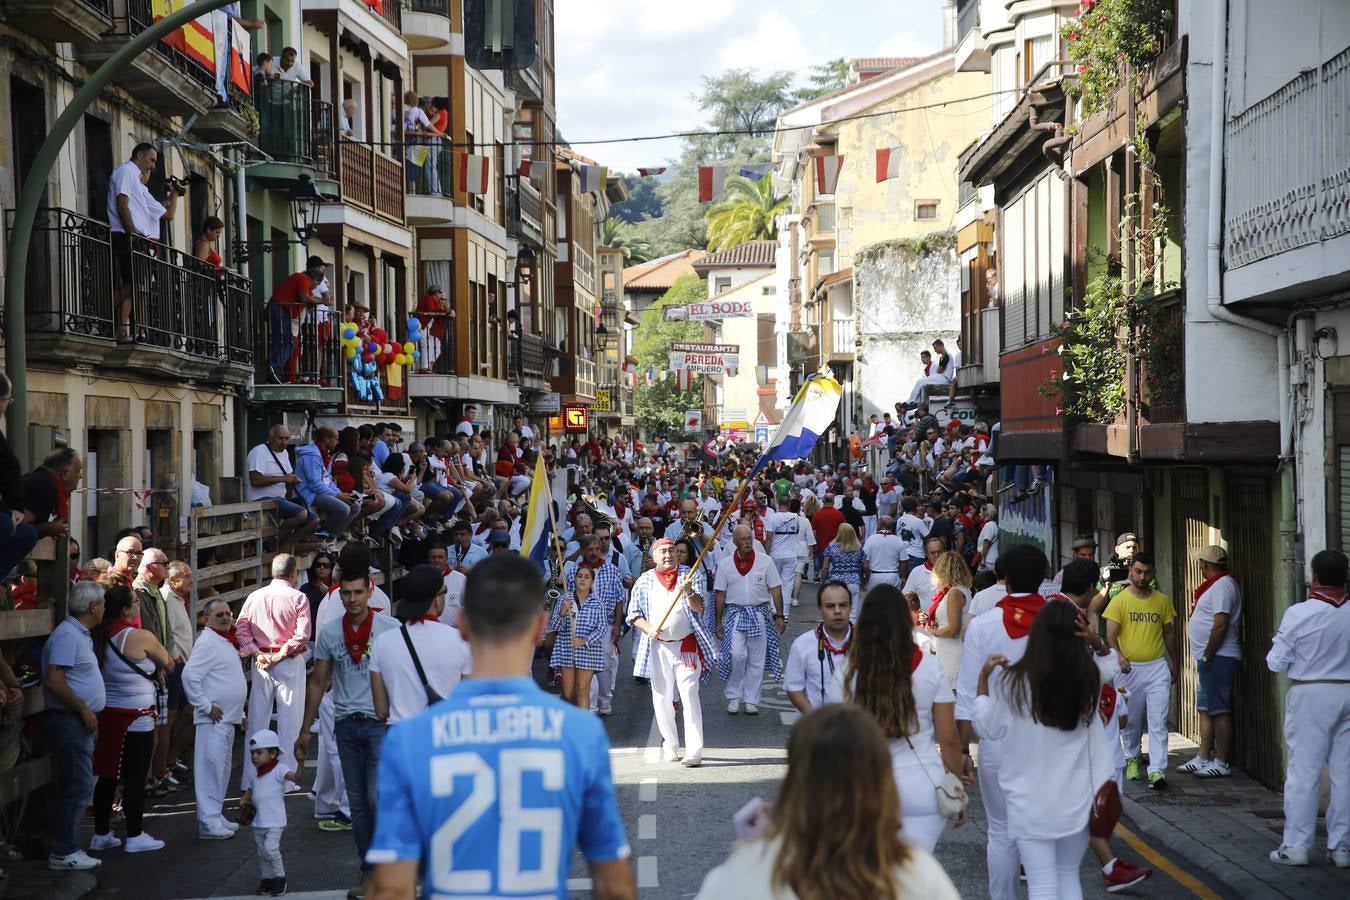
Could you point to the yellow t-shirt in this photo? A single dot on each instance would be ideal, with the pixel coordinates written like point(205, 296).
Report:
point(1141, 624)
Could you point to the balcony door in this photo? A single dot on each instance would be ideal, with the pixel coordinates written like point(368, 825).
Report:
point(28, 119)
point(98, 165)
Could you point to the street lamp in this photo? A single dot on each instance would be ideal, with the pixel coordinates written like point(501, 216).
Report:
point(602, 337)
point(303, 196)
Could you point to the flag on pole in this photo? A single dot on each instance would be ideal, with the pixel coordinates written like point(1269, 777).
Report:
point(888, 163)
point(812, 412)
point(827, 173)
point(647, 173)
point(755, 172)
point(591, 178)
point(532, 169)
point(474, 173)
point(684, 380)
point(534, 543)
point(710, 179)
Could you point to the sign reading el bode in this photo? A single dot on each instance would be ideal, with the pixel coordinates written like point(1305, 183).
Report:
point(705, 359)
point(704, 312)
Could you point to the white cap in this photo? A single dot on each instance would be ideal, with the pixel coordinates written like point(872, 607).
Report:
point(265, 739)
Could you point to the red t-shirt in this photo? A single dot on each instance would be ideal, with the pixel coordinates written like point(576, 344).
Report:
point(428, 303)
point(291, 292)
point(825, 523)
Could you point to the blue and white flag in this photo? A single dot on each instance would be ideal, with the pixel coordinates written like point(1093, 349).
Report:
point(755, 172)
point(536, 541)
point(812, 412)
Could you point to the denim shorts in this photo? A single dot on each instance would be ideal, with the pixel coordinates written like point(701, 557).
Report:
point(1215, 694)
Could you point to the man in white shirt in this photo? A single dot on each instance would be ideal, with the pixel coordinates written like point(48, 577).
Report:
point(746, 589)
point(439, 557)
point(465, 426)
point(885, 552)
point(944, 371)
point(1311, 647)
point(987, 599)
point(133, 210)
point(420, 663)
point(784, 533)
point(291, 70)
point(912, 530)
point(822, 649)
point(1212, 629)
point(920, 579)
point(270, 477)
point(213, 681)
point(987, 542)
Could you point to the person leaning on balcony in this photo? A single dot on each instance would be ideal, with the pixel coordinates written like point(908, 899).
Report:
point(291, 70)
point(416, 129)
point(283, 314)
point(348, 126)
point(132, 209)
point(204, 245)
point(435, 308)
point(313, 465)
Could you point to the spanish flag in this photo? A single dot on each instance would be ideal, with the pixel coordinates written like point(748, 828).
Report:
point(194, 40)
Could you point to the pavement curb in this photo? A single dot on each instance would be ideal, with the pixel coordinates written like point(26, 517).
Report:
point(1224, 870)
point(35, 880)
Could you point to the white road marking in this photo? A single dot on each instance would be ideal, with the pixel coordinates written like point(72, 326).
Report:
point(789, 718)
point(647, 827)
point(578, 884)
point(646, 872)
point(653, 749)
point(647, 790)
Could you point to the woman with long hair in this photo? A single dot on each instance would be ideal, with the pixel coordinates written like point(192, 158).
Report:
point(1046, 707)
point(582, 627)
point(843, 561)
point(904, 688)
point(320, 578)
point(835, 830)
point(951, 583)
point(685, 554)
point(131, 659)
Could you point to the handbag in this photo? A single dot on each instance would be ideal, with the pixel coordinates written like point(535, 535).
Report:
point(950, 792)
point(432, 696)
point(1106, 805)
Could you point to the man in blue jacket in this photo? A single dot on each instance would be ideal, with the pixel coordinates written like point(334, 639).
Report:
point(314, 467)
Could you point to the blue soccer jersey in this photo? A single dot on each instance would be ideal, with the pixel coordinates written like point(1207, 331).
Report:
point(491, 788)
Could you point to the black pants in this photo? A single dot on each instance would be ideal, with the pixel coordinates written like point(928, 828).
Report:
point(136, 750)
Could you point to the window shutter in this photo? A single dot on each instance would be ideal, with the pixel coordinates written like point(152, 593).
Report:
point(1014, 289)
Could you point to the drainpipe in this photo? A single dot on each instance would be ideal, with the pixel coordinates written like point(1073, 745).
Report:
point(1131, 276)
point(1289, 556)
point(240, 207)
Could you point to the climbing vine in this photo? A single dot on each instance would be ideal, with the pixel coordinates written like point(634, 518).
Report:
point(1106, 33)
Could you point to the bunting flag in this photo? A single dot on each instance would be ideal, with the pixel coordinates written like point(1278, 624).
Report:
point(888, 163)
point(684, 379)
point(757, 171)
point(710, 180)
point(648, 173)
point(827, 173)
point(474, 173)
point(532, 169)
point(591, 178)
point(194, 40)
point(629, 366)
point(812, 412)
point(762, 374)
point(240, 75)
point(651, 376)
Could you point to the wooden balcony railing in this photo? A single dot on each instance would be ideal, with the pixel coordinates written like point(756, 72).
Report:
point(371, 178)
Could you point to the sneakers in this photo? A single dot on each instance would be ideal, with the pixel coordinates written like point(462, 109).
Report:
point(1156, 781)
point(1215, 768)
point(1197, 763)
point(278, 887)
point(606, 710)
point(214, 834)
point(76, 859)
point(1133, 766)
point(143, 843)
point(336, 822)
point(1285, 855)
point(692, 760)
point(1340, 857)
point(107, 841)
point(1124, 875)
point(751, 709)
point(668, 754)
point(734, 707)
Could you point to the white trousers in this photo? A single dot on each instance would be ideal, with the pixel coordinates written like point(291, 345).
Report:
point(602, 687)
point(213, 747)
point(917, 394)
point(268, 842)
point(853, 610)
point(1150, 693)
point(787, 573)
point(747, 667)
point(1317, 730)
point(330, 790)
point(1001, 851)
point(671, 675)
point(1052, 866)
point(920, 822)
point(284, 684)
point(869, 526)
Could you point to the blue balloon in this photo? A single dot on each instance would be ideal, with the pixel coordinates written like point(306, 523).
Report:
point(348, 333)
point(417, 355)
point(374, 347)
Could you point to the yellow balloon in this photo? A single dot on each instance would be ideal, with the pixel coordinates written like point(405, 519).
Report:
point(351, 352)
point(409, 347)
point(400, 360)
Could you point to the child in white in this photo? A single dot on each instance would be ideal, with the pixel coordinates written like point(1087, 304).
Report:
point(267, 802)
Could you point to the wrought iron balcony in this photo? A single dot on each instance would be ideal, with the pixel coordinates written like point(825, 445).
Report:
point(293, 126)
point(525, 213)
point(967, 18)
point(437, 345)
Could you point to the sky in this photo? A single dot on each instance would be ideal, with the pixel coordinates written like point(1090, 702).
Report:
point(630, 67)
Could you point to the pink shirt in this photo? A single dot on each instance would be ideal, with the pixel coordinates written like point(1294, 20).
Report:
point(275, 616)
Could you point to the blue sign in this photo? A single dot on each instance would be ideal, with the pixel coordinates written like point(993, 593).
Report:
point(761, 434)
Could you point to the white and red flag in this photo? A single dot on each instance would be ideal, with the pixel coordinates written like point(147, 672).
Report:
point(827, 173)
point(648, 173)
point(888, 163)
point(475, 172)
point(710, 180)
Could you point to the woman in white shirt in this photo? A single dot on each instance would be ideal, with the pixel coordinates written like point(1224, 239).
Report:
point(951, 581)
point(835, 831)
point(904, 688)
point(1045, 707)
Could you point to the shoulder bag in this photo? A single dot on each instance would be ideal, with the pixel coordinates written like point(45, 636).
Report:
point(432, 696)
point(950, 792)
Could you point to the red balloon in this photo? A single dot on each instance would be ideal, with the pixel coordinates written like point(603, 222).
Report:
point(380, 336)
point(367, 357)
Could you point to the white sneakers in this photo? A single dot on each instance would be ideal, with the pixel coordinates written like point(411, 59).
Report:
point(77, 859)
point(214, 834)
point(143, 843)
point(751, 709)
point(107, 841)
point(1195, 765)
point(606, 710)
point(668, 754)
point(1340, 857)
point(1215, 768)
point(1289, 856)
point(692, 760)
point(734, 707)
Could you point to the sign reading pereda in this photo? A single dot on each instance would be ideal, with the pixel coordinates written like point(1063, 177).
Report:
point(703, 312)
point(546, 403)
point(705, 359)
point(575, 418)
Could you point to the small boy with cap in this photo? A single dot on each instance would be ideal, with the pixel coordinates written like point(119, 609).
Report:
point(264, 807)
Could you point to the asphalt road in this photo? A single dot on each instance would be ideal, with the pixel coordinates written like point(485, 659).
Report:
point(678, 819)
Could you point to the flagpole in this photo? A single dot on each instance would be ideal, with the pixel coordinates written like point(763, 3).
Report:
point(553, 526)
point(721, 523)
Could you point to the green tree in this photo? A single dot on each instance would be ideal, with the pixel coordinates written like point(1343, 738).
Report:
point(644, 200)
point(828, 76)
point(620, 235)
point(749, 213)
point(659, 408)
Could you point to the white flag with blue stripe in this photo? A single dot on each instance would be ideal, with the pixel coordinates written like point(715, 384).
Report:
point(536, 540)
point(812, 412)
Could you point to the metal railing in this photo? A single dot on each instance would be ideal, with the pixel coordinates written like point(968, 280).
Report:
point(843, 337)
point(967, 18)
point(435, 7)
point(437, 345)
point(290, 121)
point(102, 6)
point(1165, 387)
point(174, 304)
point(389, 10)
point(427, 166)
point(300, 350)
point(140, 15)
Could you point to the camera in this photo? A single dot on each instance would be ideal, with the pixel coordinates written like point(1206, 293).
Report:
point(177, 185)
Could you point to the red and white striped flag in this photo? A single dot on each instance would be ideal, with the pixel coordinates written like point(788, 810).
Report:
point(629, 366)
point(474, 173)
point(532, 169)
point(684, 380)
point(827, 173)
point(888, 163)
point(710, 179)
point(647, 173)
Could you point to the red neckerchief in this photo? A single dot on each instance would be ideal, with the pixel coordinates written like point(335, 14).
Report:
point(591, 565)
point(24, 595)
point(668, 577)
point(915, 659)
point(927, 369)
point(427, 618)
point(326, 457)
point(62, 497)
point(1107, 705)
point(1204, 586)
point(933, 607)
point(230, 635)
point(823, 639)
point(119, 626)
point(744, 567)
point(1334, 596)
point(446, 571)
point(1018, 612)
point(357, 639)
point(267, 767)
point(927, 565)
